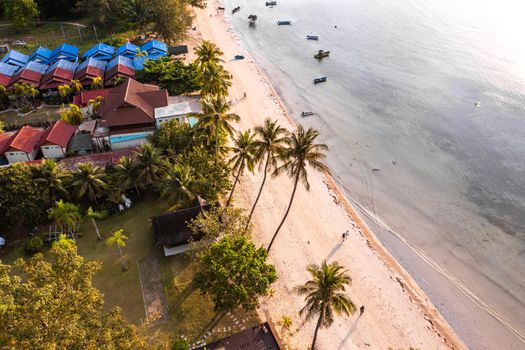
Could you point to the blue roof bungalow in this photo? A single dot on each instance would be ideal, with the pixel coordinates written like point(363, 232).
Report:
point(120, 66)
point(139, 61)
point(65, 52)
point(41, 55)
point(154, 47)
point(100, 51)
point(127, 50)
point(15, 58)
point(59, 73)
point(31, 74)
point(89, 70)
point(6, 73)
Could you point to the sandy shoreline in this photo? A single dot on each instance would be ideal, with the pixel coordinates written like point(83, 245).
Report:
point(398, 313)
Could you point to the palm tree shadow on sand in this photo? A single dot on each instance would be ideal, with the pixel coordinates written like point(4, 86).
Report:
point(350, 331)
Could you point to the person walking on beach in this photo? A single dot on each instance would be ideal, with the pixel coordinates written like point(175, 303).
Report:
point(361, 310)
point(344, 236)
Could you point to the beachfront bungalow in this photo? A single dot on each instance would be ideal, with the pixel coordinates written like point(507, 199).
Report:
point(120, 66)
point(55, 140)
point(31, 74)
point(7, 72)
point(22, 146)
point(128, 111)
point(127, 50)
point(41, 55)
point(59, 73)
point(15, 58)
point(179, 107)
point(89, 70)
point(171, 231)
point(64, 52)
point(260, 337)
point(100, 51)
point(154, 47)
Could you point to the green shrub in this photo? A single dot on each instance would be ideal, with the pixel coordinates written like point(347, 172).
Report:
point(180, 344)
point(35, 244)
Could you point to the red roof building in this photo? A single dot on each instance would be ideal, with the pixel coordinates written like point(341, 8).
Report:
point(86, 95)
point(89, 70)
point(55, 139)
point(22, 146)
point(60, 73)
point(31, 74)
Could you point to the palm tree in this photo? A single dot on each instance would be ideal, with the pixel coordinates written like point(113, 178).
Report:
point(3, 94)
point(64, 91)
point(94, 215)
point(76, 86)
point(65, 214)
point(271, 141)
point(140, 53)
point(97, 83)
point(215, 117)
point(243, 156)
point(50, 179)
point(95, 105)
point(179, 184)
point(126, 174)
point(119, 239)
point(88, 181)
point(72, 115)
point(64, 243)
point(207, 52)
point(149, 164)
point(301, 150)
point(215, 80)
point(325, 295)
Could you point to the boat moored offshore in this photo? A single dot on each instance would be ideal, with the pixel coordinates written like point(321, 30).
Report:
point(322, 54)
point(319, 80)
point(284, 23)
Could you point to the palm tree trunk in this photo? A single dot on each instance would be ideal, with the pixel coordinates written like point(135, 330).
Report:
point(136, 188)
point(124, 266)
point(287, 211)
point(260, 191)
point(316, 330)
point(235, 182)
point(217, 140)
point(96, 228)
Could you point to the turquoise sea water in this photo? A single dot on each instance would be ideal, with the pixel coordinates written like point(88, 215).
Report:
point(404, 82)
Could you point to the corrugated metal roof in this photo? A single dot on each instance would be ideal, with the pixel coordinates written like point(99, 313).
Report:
point(15, 57)
point(120, 60)
point(7, 69)
point(41, 52)
point(127, 47)
point(36, 67)
point(92, 62)
point(138, 62)
point(63, 64)
point(65, 49)
point(99, 48)
point(154, 45)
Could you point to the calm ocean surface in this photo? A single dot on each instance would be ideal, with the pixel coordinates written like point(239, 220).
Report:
point(403, 80)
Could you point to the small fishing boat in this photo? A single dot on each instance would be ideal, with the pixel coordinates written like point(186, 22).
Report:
point(284, 23)
point(319, 80)
point(237, 9)
point(239, 57)
point(312, 37)
point(253, 19)
point(322, 54)
point(220, 8)
point(271, 3)
point(306, 114)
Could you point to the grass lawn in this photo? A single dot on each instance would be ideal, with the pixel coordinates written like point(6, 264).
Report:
point(190, 314)
point(11, 118)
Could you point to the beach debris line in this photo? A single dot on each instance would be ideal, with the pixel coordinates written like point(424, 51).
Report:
point(271, 3)
point(252, 19)
point(320, 80)
point(237, 9)
point(322, 54)
point(312, 37)
point(284, 23)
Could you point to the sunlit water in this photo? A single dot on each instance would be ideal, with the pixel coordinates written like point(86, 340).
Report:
point(404, 78)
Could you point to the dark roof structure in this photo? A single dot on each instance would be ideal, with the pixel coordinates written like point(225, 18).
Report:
point(80, 143)
point(178, 50)
point(132, 103)
point(171, 229)
point(259, 337)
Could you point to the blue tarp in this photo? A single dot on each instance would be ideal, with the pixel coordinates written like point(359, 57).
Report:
point(154, 46)
point(100, 51)
point(63, 64)
point(15, 58)
point(7, 69)
point(120, 60)
point(92, 62)
point(42, 54)
point(36, 67)
point(128, 50)
point(139, 61)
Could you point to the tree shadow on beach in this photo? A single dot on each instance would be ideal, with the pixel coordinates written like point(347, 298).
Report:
point(350, 331)
point(334, 250)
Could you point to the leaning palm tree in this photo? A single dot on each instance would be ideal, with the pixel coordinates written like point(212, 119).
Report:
point(97, 83)
point(271, 142)
point(149, 165)
point(89, 181)
point(119, 239)
point(207, 52)
point(76, 86)
point(94, 215)
point(179, 184)
point(300, 151)
point(66, 215)
point(215, 116)
point(243, 156)
point(50, 180)
point(325, 295)
point(215, 80)
point(126, 174)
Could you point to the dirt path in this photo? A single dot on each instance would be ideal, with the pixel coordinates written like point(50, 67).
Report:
point(155, 303)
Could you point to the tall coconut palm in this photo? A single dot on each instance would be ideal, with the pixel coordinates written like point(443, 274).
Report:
point(325, 295)
point(51, 180)
point(76, 86)
point(243, 156)
point(179, 184)
point(126, 174)
point(270, 144)
point(97, 83)
point(300, 151)
point(66, 215)
point(215, 80)
point(72, 115)
point(119, 239)
point(89, 181)
point(94, 215)
point(149, 164)
point(94, 104)
point(64, 91)
point(215, 116)
point(207, 52)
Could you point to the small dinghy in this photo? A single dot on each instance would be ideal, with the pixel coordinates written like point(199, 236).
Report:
point(271, 3)
point(312, 37)
point(239, 57)
point(319, 80)
point(306, 114)
point(253, 19)
point(322, 54)
point(220, 8)
point(284, 23)
point(237, 9)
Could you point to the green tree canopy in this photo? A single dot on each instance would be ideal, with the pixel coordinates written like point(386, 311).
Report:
point(51, 303)
point(171, 19)
point(233, 272)
point(22, 13)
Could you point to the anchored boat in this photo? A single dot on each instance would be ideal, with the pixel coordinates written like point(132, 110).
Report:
point(284, 23)
point(253, 19)
point(322, 54)
point(271, 3)
point(319, 80)
point(237, 9)
point(306, 114)
point(312, 37)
